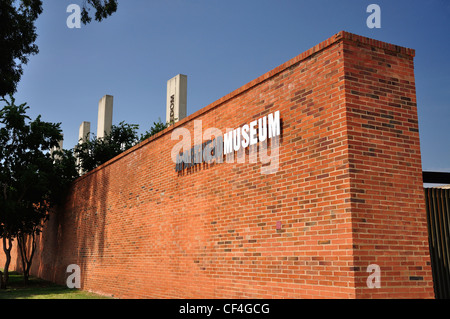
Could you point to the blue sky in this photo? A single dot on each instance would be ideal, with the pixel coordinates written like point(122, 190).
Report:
point(220, 46)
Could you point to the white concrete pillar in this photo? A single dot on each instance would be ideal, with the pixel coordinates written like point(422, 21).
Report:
point(83, 136)
point(105, 116)
point(176, 109)
point(85, 130)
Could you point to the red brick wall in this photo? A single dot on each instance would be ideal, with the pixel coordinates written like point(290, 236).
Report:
point(385, 166)
point(347, 193)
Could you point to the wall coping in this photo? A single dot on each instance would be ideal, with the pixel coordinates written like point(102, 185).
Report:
point(338, 37)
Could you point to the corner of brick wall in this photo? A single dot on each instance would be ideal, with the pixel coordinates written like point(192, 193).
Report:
point(388, 208)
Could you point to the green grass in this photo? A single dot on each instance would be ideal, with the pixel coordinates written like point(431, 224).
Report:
point(40, 289)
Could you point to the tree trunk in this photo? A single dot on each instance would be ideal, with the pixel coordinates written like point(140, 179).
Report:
point(25, 254)
point(7, 245)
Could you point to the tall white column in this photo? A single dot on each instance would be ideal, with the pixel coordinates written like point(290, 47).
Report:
point(85, 129)
point(176, 109)
point(105, 116)
point(83, 136)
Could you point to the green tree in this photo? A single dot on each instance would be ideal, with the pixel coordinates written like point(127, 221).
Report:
point(32, 179)
point(55, 175)
point(97, 151)
point(156, 128)
point(18, 34)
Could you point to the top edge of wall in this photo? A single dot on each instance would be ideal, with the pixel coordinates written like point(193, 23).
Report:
point(338, 37)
